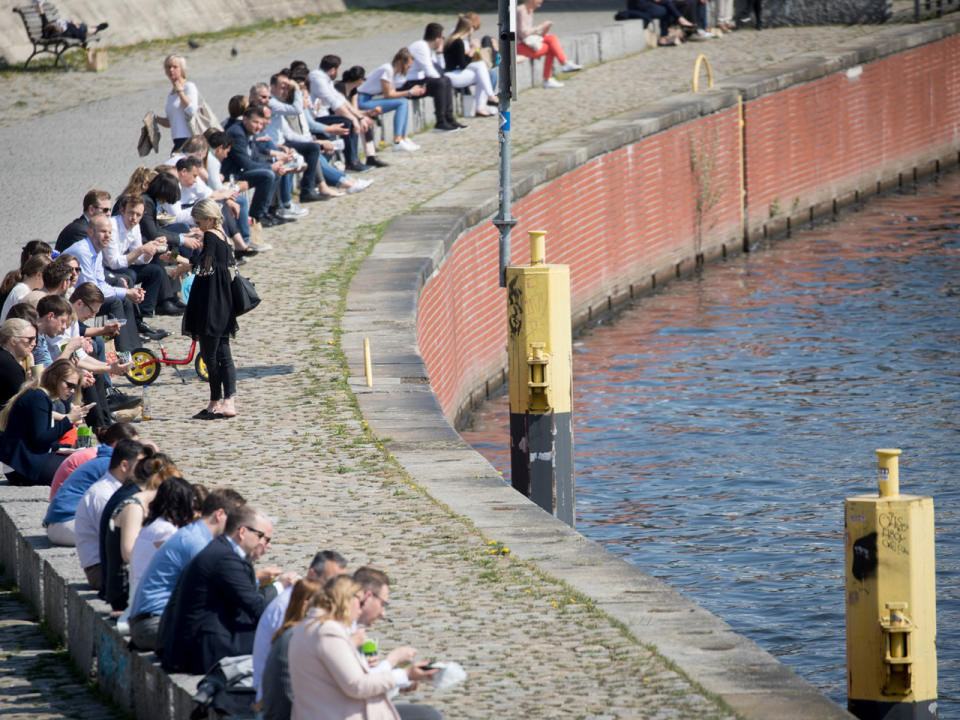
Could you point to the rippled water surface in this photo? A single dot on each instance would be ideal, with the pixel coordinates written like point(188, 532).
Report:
point(720, 423)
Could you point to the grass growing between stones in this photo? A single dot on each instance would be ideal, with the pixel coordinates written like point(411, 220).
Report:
point(486, 574)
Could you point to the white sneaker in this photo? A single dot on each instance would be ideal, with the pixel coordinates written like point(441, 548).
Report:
point(570, 67)
point(289, 212)
point(402, 146)
point(410, 144)
point(552, 83)
point(296, 210)
point(359, 185)
point(704, 34)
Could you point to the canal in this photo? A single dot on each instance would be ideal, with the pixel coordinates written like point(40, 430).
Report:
point(721, 422)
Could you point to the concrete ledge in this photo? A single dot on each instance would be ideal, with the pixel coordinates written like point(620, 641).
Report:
point(51, 578)
point(751, 681)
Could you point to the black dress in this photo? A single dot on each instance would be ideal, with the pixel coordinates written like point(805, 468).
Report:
point(210, 306)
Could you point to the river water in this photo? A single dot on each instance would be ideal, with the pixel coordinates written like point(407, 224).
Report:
point(720, 423)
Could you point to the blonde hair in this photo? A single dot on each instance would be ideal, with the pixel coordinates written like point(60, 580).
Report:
point(49, 382)
point(335, 598)
point(464, 27)
point(179, 60)
point(206, 209)
point(138, 181)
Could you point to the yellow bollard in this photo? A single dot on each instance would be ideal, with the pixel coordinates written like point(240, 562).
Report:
point(891, 601)
point(367, 365)
point(539, 351)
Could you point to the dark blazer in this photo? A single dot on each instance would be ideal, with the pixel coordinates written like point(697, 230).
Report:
point(150, 229)
point(74, 232)
point(12, 376)
point(213, 611)
point(29, 436)
point(243, 154)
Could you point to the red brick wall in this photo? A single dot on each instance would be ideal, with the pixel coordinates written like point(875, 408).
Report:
point(632, 212)
point(820, 139)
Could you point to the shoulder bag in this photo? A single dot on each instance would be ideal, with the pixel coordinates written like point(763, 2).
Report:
point(244, 294)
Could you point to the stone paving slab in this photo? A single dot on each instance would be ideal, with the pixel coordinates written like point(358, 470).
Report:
point(301, 450)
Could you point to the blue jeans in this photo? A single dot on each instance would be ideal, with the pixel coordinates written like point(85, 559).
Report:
point(264, 182)
point(400, 105)
point(331, 176)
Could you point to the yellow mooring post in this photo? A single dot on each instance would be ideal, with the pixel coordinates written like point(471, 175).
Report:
point(891, 601)
point(541, 379)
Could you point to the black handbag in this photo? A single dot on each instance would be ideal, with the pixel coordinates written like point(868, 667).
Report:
point(244, 293)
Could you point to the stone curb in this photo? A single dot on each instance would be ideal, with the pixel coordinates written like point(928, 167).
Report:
point(51, 579)
point(401, 405)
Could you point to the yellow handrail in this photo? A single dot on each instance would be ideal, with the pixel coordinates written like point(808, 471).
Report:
point(701, 59)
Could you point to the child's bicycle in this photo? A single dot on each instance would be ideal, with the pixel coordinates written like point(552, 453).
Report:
point(146, 365)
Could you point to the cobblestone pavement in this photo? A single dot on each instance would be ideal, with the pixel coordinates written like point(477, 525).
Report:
point(300, 450)
point(36, 681)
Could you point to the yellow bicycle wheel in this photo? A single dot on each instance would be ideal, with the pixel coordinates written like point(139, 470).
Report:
point(201, 368)
point(145, 368)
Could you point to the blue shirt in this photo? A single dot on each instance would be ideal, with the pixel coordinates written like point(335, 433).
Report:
point(164, 569)
point(91, 268)
point(63, 506)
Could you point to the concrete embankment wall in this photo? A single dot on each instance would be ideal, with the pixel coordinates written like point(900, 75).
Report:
point(646, 196)
point(133, 22)
point(628, 203)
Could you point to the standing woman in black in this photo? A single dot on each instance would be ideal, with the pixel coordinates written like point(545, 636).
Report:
point(209, 316)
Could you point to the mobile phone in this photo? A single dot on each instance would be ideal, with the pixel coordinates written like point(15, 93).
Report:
point(429, 666)
point(174, 252)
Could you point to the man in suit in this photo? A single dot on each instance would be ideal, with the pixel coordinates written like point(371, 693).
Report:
point(216, 603)
point(95, 202)
point(245, 162)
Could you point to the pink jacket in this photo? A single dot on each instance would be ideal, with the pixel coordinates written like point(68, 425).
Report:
point(329, 679)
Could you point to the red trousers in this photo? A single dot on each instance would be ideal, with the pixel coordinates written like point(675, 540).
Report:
point(551, 48)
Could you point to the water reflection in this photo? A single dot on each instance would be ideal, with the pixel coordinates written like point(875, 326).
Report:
point(720, 423)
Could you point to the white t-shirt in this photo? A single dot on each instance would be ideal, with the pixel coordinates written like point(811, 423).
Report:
point(18, 293)
point(87, 522)
point(373, 85)
point(148, 541)
point(177, 114)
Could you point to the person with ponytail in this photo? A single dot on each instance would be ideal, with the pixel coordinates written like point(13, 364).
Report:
point(29, 277)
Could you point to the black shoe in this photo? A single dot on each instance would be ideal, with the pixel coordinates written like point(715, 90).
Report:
point(356, 167)
point(460, 125)
point(152, 333)
point(280, 220)
point(447, 127)
point(310, 196)
point(246, 252)
point(267, 221)
point(101, 27)
point(117, 400)
point(374, 161)
point(168, 307)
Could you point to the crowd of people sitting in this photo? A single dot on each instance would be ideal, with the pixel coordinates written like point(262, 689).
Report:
point(175, 562)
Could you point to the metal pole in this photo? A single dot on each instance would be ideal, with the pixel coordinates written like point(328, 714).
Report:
point(504, 220)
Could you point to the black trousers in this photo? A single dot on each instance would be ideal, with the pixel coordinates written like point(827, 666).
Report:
point(151, 277)
point(215, 352)
point(349, 141)
point(441, 91)
point(120, 308)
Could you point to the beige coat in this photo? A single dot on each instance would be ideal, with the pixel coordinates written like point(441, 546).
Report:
point(329, 679)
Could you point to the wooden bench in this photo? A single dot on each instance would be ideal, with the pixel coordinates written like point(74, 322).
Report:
point(56, 45)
